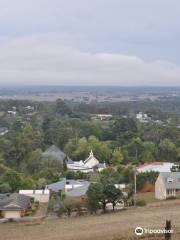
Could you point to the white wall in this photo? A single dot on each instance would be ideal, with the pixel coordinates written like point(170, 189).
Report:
point(160, 189)
point(70, 186)
point(41, 196)
point(11, 214)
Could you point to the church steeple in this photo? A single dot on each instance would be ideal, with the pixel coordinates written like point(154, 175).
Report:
point(91, 154)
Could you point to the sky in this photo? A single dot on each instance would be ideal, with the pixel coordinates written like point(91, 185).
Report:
point(90, 42)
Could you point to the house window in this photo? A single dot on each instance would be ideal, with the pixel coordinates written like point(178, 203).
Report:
point(169, 180)
point(170, 192)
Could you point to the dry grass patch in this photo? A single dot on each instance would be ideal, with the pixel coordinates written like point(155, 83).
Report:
point(117, 226)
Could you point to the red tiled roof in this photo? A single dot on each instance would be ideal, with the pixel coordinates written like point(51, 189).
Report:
point(151, 164)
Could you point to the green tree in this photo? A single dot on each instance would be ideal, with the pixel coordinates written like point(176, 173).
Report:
point(124, 129)
point(149, 152)
point(94, 194)
point(62, 108)
point(41, 183)
point(14, 179)
point(32, 162)
point(5, 187)
point(79, 150)
point(113, 194)
point(167, 150)
point(117, 157)
point(27, 182)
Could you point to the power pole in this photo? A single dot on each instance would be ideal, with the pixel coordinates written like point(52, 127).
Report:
point(135, 186)
point(168, 228)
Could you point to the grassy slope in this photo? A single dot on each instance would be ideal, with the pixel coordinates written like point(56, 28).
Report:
point(106, 227)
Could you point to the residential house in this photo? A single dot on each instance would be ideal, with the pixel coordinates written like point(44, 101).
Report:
point(3, 131)
point(71, 187)
point(91, 164)
point(29, 108)
point(143, 117)
point(102, 117)
point(75, 188)
point(14, 205)
point(12, 113)
point(167, 185)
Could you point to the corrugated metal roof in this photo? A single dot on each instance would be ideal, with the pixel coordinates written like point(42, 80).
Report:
point(79, 191)
point(57, 186)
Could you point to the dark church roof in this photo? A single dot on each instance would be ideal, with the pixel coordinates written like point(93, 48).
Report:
point(54, 152)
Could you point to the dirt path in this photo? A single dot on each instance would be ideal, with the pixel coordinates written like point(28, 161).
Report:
point(42, 210)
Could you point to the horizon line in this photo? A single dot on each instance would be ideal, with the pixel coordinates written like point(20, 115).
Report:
point(81, 85)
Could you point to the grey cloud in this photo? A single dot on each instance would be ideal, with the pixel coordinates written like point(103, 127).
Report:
point(146, 28)
point(31, 61)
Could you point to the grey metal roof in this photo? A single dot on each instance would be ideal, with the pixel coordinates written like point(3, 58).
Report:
point(175, 176)
point(101, 165)
point(57, 186)
point(79, 191)
point(14, 201)
point(73, 181)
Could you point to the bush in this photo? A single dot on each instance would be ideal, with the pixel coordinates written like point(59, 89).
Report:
point(61, 211)
point(34, 210)
point(171, 198)
point(80, 205)
point(140, 202)
point(5, 187)
point(36, 203)
point(32, 200)
point(70, 205)
point(51, 204)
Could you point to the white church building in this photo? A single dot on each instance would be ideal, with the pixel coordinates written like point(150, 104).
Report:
point(91, 164)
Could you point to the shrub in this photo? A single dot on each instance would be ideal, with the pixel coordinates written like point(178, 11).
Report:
point(171, 198)
point(68, 206)
point(36, 203)
point(61, 211)
point(140, 202)
point(34, 210)
point(5, 187)
point(80, 205)
point(71, 204)
point(32, 200)
point(51, 204)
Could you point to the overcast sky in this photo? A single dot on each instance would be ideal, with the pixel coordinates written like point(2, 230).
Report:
point(94, 42)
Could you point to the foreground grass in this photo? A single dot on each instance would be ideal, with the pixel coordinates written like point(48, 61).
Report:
point(149, 197)
point(117, 226)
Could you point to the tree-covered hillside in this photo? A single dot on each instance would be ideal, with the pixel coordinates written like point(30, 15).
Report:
point(120, 142)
